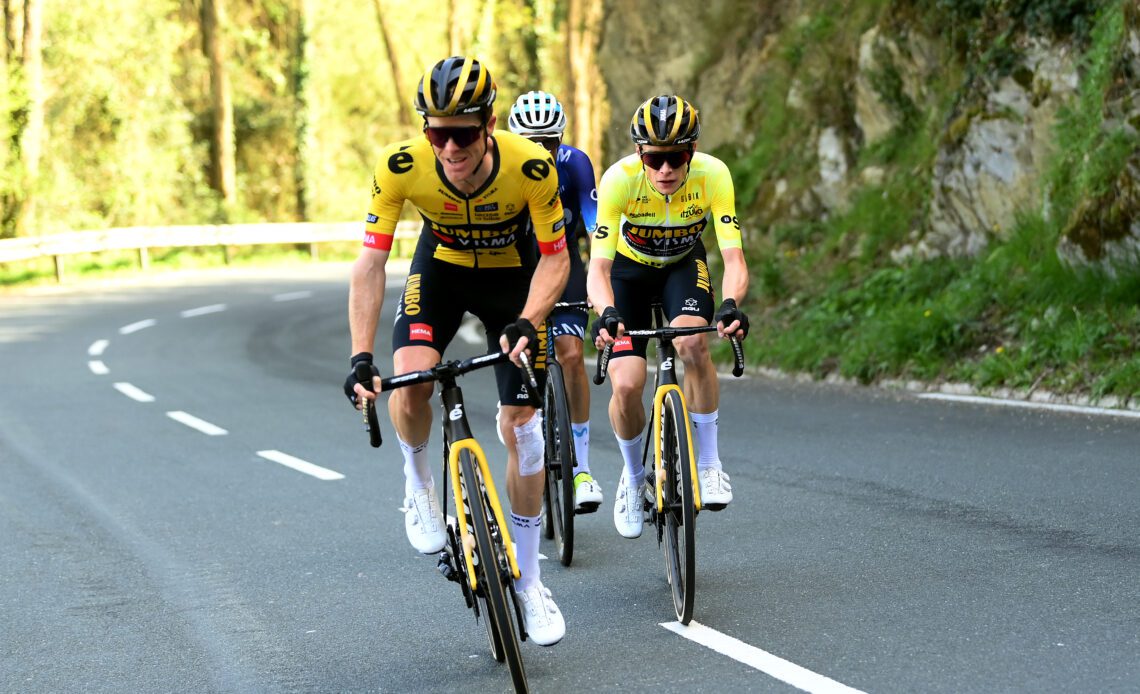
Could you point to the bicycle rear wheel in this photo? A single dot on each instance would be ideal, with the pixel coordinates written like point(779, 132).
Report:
point(493, 575)
point(559, 493)
point(679, 508)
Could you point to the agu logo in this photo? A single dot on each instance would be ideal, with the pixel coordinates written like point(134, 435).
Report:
point(419, 331)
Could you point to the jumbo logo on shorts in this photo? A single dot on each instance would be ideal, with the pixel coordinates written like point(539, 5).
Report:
point(412, 298)
point(419, 331)
point(623, 344)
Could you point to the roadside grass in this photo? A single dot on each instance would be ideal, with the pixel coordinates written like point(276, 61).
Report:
point(120, 264)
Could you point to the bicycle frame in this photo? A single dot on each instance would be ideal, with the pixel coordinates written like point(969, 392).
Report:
point(664, 381)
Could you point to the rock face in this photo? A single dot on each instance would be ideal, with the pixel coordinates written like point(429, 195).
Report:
point(891, 81)
point(995, 153)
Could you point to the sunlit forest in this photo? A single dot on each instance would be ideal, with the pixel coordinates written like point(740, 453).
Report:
point(159, 112)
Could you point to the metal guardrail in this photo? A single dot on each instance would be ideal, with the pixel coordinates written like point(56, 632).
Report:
point(225, 236)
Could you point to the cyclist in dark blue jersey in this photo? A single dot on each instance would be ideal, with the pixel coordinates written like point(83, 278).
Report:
point(539, 116)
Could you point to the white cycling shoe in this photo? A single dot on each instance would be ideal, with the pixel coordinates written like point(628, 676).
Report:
point(629, 516)
point(541, 617)
point(423, 521)
point(716, 492)
point(587, 493)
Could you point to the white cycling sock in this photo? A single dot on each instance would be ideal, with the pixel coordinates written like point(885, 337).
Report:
point(581, 446)
point(524, 532)
point(631, 454)
point(417, 471)
point(704, 427)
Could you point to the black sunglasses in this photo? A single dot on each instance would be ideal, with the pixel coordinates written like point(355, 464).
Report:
point(548, 143)
point(462, 136)
point(655, 160)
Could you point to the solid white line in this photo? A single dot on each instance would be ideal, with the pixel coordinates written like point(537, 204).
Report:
point(1054, 407)
point(798, 677)
point(98, 368)
point(293, 296)
point(195, 423)
point(135, 327)
point(301, 465)
point(203, 310)
point(134, 393)
point(97, 347)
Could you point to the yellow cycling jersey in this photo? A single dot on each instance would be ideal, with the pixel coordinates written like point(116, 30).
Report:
point(487, 228)
point(656, 229)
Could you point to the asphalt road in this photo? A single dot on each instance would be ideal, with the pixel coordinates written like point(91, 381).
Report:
point(881, 542)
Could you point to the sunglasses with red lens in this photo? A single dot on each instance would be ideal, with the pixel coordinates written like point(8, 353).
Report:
point(462, 136)
point(675, 160)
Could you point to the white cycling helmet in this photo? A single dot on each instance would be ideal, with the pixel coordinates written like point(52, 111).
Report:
point(537, 114)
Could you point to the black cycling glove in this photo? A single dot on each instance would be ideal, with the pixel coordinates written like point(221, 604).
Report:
point(363, 357)
point(728, 312)
point(518, 330)
point(610, 320)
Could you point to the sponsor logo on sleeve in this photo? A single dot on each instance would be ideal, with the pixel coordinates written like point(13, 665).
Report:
point(400, 162)
point(375, 186)
point(371, 219)
point(536, 169)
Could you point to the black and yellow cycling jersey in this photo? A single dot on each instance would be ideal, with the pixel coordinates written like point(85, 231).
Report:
point(483, 229)
point(657, 230)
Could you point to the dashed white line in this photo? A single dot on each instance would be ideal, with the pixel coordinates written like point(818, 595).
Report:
point(292, 296)
point(97, 347)
point(137, 326)
point(203, 310)
point(98, 367)
point(783, 670)
point(133, 393)
point(301, 465)
point(1054, 407)
point(195, 423)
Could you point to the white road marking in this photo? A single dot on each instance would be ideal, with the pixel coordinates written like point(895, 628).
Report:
point(293, 296)
point(798, 677)
point(301, 465)
point(134, 393)
point(135, 327)
point(978, 399)
point(98, 367)
point(203, 310)
point(97, 347)
point(195, 423)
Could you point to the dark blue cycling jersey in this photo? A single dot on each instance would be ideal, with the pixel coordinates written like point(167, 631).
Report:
point(577, 189)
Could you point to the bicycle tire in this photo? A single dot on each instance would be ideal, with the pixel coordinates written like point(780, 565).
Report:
point(679, 508)
point(558, 523)
point(493, 575)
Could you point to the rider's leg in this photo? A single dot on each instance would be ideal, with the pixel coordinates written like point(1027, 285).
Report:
point(569, 351)
point(411, 413)
point(702, 391)
point(522, 431)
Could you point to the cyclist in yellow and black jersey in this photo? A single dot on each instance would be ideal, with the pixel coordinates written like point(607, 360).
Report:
point(654, 208)
point(481, 229)
point(475, 192)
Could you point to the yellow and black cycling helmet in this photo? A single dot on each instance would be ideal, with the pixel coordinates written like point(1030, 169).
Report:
point(455, 86)
point(665, 120)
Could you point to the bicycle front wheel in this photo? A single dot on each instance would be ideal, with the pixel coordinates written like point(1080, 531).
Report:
point(559, 519)
point(679, 507)
point(494, 578)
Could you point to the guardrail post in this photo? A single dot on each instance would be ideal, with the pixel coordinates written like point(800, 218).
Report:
point(227, 256)
point(58, 260)
point(314, 252)
point(144, 259)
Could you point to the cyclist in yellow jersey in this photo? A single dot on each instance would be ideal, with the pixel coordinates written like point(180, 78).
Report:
point(653, 210)
point(476, 192)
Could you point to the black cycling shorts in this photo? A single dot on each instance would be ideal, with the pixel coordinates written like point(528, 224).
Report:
point(682, 288)
point(571, 321)
point(437, 294)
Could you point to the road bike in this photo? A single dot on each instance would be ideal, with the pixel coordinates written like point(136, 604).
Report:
point(672, 494)
point(479, 554)
point(561, 460)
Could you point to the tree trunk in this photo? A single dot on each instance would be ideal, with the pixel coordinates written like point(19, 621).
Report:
point(403, 106)
point(222, 151)
point(302, 109)
point(585, 83)
point(13, 29)
point(31, 140)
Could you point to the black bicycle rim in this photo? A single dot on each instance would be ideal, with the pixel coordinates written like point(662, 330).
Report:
point(494, 579)
point(680, 509)
point(559, 463)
